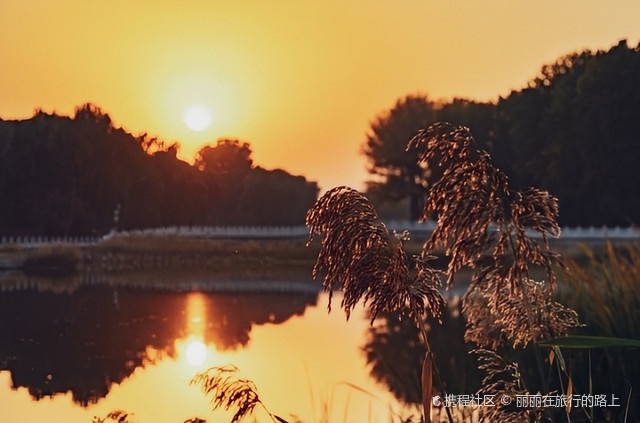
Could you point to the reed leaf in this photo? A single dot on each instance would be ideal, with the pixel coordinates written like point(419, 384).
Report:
point(590, 342)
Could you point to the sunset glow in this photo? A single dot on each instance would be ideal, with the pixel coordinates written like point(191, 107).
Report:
point(279, 74)
point(193, 349)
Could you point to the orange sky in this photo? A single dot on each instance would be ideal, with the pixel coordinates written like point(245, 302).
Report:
point(299, 80)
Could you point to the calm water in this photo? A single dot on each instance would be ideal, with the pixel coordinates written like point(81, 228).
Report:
point(94, 348)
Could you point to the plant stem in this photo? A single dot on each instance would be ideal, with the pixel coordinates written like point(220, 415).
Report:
point(590, 385)
point(566, 410)
point(435, 369)
point(538, 356)
point(626, 411)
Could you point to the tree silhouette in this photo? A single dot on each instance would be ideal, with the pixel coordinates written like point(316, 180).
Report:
point(571, 131)
point(227, 158)
point(398, 172)
point(66, 176)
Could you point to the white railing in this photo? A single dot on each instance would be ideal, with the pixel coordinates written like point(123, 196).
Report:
point(233, 232)
point(27, 241)
point(600, 233)
point(415, 229)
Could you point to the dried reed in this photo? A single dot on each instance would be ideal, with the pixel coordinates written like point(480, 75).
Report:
point(605, 290)
point(360, 255)
point(481, 223)
point(117, 416)
point(228, 391)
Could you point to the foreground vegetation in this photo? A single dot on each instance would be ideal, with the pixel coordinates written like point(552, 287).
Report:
point(525, 334)
point(518, 327)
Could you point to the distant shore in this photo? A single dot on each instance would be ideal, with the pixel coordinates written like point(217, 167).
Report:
point(236, 258)
point(115, 254)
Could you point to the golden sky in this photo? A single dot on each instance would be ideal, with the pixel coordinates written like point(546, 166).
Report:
point(299, 80)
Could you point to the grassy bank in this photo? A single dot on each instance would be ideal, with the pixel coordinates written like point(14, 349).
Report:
point(162, 253)
point(167, 253)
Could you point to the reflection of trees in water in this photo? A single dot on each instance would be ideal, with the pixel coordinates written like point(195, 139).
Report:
point(231, 316)
point(395, 353)
point(86, 341)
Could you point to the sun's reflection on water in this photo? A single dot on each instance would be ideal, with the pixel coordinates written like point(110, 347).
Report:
point(196, 352)
point(196, 314)
point(194, 349)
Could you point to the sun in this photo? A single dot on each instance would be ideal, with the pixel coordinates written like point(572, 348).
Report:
point(197, 117)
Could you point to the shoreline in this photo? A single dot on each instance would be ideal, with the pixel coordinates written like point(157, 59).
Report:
point(157, 253)
point(168, 256)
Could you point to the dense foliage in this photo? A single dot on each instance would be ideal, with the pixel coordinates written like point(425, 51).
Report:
point(76, 176)
point(574, 131)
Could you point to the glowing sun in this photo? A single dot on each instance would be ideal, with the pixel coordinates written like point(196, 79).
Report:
point(197, 117)
point(196, 352)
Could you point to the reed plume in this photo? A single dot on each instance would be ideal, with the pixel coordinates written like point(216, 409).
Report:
point(360, 255)
point(483, 224)
point(503, 383)
point(228, 391)
point(116, 416)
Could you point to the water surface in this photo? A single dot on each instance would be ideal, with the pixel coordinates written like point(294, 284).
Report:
point(69, 356)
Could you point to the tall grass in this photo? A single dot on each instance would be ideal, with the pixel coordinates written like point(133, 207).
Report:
point(605, 291)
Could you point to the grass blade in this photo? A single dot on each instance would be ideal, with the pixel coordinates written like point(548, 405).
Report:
point(427, 386)
point(568, 395)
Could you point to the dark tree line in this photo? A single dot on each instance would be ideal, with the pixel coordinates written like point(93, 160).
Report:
point(573, 131)
point(81, 175)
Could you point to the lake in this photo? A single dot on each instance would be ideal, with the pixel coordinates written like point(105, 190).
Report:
point(132, 334)
point(73, 350)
